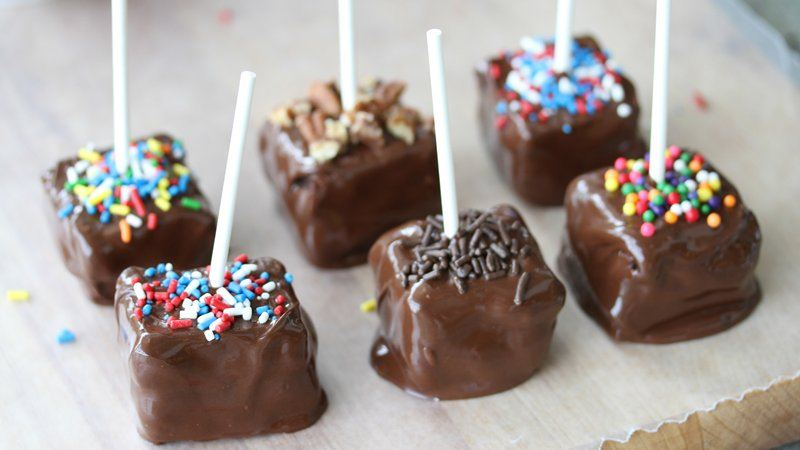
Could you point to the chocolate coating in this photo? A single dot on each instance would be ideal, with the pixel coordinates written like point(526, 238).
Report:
point(538, 159)
point(339, 208)
point(256, 379)
point(94, 252)
point(436, 342)
point(684, 282)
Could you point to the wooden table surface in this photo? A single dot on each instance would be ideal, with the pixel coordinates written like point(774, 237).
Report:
point(55, 95)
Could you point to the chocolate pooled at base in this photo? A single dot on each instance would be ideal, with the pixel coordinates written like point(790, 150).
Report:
point(688, 273)
point(255, 375)
point(465, 317)
point(90, 241)
point(541, 138)
point(347, 176)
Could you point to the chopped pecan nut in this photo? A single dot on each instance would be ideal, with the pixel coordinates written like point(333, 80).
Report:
point(324, 150)
point(365, 129)
point(306, 128)
point(336, 130)
point(281, 116)
point(402, 123)
point(325, 97)
point(388, 94)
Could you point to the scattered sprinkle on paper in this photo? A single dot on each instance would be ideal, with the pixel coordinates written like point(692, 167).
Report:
point(369, 305)
point(225, 16)
point(700, 101)
point(65, 336)
point(17, 295)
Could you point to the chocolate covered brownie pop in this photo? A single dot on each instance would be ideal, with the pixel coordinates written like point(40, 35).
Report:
point(661, 249)
point(553, 110)
point(467, 305)
point(134, 204)
point(349, 165)
point(220, 350)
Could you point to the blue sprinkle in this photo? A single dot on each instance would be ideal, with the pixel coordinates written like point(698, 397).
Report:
point(203, 325)
point(249, 294)
point(288, 277)
point(66, 211)
point(240, 297)
point(65, 336)
point(171, 275)
point(161, 268)
point(105, 217)
point(108, 201)
point(196, 293)
point(150, 272)
point(204, 310)
point(91, 210)
point(204, 289)
point(234, 287)
point(183, 183)
point(216, 336)
point(147, 309)
point(567, 128)
point(264, 309)
point(173, 190)
point(501, 107)
point(264, 275)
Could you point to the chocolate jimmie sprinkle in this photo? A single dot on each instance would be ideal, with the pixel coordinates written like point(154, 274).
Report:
point(483, 247)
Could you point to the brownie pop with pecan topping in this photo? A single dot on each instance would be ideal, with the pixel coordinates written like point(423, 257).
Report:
point(346, 176)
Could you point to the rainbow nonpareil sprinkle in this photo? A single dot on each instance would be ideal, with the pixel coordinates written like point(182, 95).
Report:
point(187, 300)
point(689, 191)
point(534, 91)
point(154, 179)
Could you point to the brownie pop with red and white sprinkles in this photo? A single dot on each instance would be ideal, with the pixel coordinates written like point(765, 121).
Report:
point(106, 220)
point(545, 126)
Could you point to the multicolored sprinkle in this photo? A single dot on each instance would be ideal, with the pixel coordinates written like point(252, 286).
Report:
point(535, 92)
point(187, 300)
point(153, 179)
point(689, 191)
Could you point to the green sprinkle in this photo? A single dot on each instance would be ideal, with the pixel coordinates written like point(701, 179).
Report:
point(191, 203)
point(649, 216)
point(627, 188)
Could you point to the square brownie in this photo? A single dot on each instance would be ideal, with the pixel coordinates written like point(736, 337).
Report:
point(544, 129)
point(207, 364)
point(661, 263)
point(163, 213)
point(467, 316)
point(347, 176)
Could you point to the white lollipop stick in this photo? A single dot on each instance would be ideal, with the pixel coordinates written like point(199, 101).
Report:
point(347, 65)
point(119, 62)
point(562, 59)
point(222, 239)
point(658, 120)
point(444, 152)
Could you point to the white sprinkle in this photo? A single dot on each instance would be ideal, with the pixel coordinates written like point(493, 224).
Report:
point(205, 317)
point(247, 313)
point(264, 296)
point(263, 318)
point(608, 81)
point(513, 105)
point(203, 298)
point(246, 303)
point(209, 335)
point(233, 311)
point(690, 184)
point(215, 324)
point(133, 220)
point(168, 267)
point(81, 166)
point(617, 93)
point(565, 86)
point(270, 286)
point(246, 282)
point(676, 209)
point(702, 176)
point(679, 165)
point(124, 194)
point(197, 275)
point(226, 296)
point(194, 284)
point(139, 291)
point(686, 206)
point(624, 110)
point(188, 314)
point(532, 45)
point(187, 303)
point(244, 271)
point(72, 174)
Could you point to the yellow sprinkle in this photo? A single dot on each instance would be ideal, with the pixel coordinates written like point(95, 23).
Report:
point(369, 305)
point(180, 169)
point(119, 210)
point(163, 183)
point(632, 198)
point(715, 184)
point(17, 295)
point(611, 173)
point(154, 145)
point(163, 193)
point(89, 155)
point(163, 204)
point(670, 217)
point(629, 209)
point(611, 185)
point(704, 194)
point(98, 196)
point(82, 191)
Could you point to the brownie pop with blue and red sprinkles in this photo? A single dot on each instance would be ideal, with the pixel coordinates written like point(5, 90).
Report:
point(543, 128)
point(661, 262)
point(106, 221)
point(245, 351)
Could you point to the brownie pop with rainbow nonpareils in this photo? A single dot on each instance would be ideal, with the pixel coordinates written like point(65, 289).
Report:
point(555, 109)
point(661, 249)
point(223, 350)
point(134, 204)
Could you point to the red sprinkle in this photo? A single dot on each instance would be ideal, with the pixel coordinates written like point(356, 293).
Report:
point(138, 313)
point(494, 71)
point(280, 299)
point(700, 101)
point(501, 121)
point(138, 205)
point(152, 221)
point(241, 258)
point(225, 16)
point(179, 323)
point(279, 310)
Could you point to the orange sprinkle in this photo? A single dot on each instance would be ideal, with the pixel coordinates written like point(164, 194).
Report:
point(670, 217)
point(713, 220)
point(695, 165)
point(125, 231)
point(729, 201)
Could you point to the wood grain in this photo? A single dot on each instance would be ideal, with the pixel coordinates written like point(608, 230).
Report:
point(55, 94)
